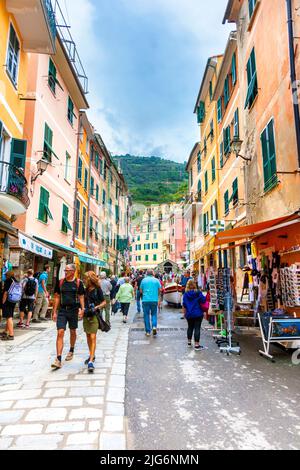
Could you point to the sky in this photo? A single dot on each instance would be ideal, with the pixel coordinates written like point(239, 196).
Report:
point(145, 60)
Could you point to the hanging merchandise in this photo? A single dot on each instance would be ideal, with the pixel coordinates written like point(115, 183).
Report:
point(290, 285)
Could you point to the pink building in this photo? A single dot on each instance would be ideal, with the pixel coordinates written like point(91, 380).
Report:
point(51, 128)
point(177, 236)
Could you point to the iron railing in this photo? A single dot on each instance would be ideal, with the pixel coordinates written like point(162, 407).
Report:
point(13, 183)
point(50, 13)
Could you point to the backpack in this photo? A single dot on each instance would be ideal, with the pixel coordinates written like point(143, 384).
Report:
point(61, 283)
point(30, 287)
point(15, 292)
point(37, 276)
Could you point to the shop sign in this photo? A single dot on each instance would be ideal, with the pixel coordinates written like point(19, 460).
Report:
point(31, 245)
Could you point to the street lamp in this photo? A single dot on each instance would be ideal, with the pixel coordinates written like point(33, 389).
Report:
point(236, 146)
point(42, 166)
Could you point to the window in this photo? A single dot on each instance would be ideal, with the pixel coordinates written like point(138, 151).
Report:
point(117, 215)
point(269, 156)
point(48, 141)
point(243, 256)
point(44, 211)
point(138, 238)
point(154, 257)
point(236, 128)
point(226, 202)
point(71, 114)
point(210, 91)
point(252, 80)
point(97, 193)
point(199, 162)
point(79, 171)
point(83, 231)
point(92, 188)
point(147, 258)
point(52, 80)
point(201, 112)
point(219, 109)
point(13, 56)
point(227, 141)
point(68, 167)
point(18, 153)
point(205, 147)
point(213, 169)
point(206, 223)
point(206, 181)
point(147, 246)
point(97, 230)
point(103, 197)
point(154, 246)
point(65, 226)
point(86, 179)
point(235, 192)
point(104, 170)
point(252, 4)
point(226, 92)
point(221, 155)
point(148, 236)
point(199, 191)
point(77, 215)
point(97, 160)
point(155, 236)
point(91, 226)
point(233, 69)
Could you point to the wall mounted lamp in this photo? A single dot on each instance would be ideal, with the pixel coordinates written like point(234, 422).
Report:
point(42, 166)
point(235, 146)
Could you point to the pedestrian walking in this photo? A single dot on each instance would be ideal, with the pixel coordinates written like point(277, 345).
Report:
point(150, 291)
point(68, 306)
point(125, 295)
point(137, 286)
point(42, 301)
point(12, 294)
point(192, 301)
point(94, 302)
point(106, 287)
point(30, 287)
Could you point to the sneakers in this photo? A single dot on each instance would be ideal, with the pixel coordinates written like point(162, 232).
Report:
point(7, 338)
point(148, 334)
point(69, 356)
point(189, 344)
point(36, 321)
point(199, 348)
point(56, 364)
point(20, 325)
point(86, 363)
point(154, 332)
point(91, 367)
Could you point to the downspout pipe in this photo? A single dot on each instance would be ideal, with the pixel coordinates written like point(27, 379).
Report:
point(293, 75)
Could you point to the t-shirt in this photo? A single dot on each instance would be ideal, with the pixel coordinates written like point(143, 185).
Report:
point(43, 277)
point(69, 292)
point(125, 294)
point(150, 287)
point(7, 285)
point(30, 297)
point(139, 281)
point(94, 296)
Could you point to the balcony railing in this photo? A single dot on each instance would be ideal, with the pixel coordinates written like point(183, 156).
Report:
point(13, 183)
point(50, 17)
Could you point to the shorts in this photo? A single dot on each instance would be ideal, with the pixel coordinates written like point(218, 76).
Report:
point(27, 304)
point(8, 310)
point(66, 317)
point(91, 325)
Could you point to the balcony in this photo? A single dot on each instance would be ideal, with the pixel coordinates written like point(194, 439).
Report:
point(14, 198)
point(37, 24)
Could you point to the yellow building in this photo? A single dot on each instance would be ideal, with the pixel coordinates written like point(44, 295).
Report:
point(203, 166)
point(25, 26)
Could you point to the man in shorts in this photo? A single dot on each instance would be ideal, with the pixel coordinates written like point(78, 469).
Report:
point(68, 306)
point(30, 287)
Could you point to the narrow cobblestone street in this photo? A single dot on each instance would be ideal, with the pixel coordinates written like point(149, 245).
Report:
point(175, 397)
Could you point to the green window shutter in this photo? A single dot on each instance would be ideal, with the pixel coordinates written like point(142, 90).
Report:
point(235, 192)
point(47, 206)
point(97, 193)
point(221, 155)
point(42, 214)
point(83, 232)
point(79, 172)
point(213, 169)
point(199, 162)
point(269, 156)
point(226, 202)
point(91, 225)
point(227, 140)
point(236, 124)
point(226, 91)
point(210, 90)
point(65, 220)
point(86, 179)
point(52, 76)
point(117, 215)
point(199, 191)
point(252, 4)
point(77, 218)
point(219, 110)
point(201, 112)
point(252, 80)
point(233, 69)
point(48, 143)
point(104, 197)
point(206, 181)
point(92, 188)
point(18, 153)
point(71, 114)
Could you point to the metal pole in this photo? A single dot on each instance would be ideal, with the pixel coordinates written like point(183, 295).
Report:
point(293, 75)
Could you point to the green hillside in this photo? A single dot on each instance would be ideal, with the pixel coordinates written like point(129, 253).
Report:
point(153, 180)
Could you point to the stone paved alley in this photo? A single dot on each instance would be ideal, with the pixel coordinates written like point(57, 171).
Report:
point(174, 398)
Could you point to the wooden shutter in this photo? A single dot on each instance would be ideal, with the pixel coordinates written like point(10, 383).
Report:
point(235, 192)
point(233, 69)
point(18, 153)
point(220, 109)
point(42, 214)
point(221, 155)
point(213, 169)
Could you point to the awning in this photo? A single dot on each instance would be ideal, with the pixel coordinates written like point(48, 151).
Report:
point(29, 244)
point(85, 258)
point(58, 246)
point(254, 230)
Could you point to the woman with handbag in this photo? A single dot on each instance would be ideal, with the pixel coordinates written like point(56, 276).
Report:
point(94, 302)
point(194, 303)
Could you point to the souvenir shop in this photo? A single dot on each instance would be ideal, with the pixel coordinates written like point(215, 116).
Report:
point(270, 296)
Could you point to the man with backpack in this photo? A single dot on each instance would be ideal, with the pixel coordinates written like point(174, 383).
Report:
point(12, 294)
point(68, 305)
point(42, 301)
point(30, 287)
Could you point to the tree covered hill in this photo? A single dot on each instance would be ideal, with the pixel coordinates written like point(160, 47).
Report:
point(153, 180)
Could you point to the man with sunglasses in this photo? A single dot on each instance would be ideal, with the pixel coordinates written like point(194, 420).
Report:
point(68, 306)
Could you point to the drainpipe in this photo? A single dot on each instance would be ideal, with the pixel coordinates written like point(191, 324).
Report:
point(293, 75)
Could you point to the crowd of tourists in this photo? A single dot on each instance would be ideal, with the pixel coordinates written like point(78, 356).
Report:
point(93, 300)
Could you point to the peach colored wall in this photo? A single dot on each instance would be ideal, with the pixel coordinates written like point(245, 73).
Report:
point(269, 36)
point(53, 111)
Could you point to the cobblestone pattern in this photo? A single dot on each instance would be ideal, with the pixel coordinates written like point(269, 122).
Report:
point(69, 408)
